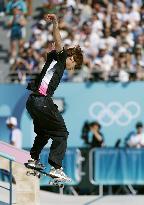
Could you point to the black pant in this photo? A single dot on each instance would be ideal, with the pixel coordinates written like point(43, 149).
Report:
point(48, 123)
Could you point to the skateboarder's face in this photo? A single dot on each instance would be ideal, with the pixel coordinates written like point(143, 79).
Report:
point(70, 63)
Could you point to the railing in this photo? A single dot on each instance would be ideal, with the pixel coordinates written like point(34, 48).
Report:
point(122, 167)
point(11, 159)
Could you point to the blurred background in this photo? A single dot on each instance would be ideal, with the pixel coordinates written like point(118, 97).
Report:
point(102, 103)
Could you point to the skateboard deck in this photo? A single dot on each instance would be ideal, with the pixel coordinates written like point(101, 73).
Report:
point(39, 172)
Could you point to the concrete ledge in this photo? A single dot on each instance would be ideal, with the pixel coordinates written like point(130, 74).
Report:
point(26, 189)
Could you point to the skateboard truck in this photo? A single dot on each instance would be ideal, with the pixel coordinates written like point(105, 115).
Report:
point(38, 172)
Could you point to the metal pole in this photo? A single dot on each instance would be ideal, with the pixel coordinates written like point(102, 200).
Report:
point(61, 190)
point(133, 191)
point(101, 189)
point(10, 182)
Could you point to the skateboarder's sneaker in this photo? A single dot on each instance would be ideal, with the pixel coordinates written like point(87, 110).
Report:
point(59, 173)
point(35, 164)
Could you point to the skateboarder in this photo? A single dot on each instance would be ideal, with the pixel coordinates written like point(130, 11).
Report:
point(48, 122)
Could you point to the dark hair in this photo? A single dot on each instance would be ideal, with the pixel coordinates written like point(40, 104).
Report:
point(95, 123)
point(77, 54)
point(139, 124)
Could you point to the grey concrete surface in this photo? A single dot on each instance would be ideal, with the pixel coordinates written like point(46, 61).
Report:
point(54, 199)
point(48, 198)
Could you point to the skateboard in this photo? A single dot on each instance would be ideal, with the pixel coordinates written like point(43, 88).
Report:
point(39, 172)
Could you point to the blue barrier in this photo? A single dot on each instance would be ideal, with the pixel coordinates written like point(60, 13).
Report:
point(10, 158)
point(116, 106)
point(109, 166)
point(71, 164)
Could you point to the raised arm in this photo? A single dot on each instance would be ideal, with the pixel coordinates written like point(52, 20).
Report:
point(56, 32)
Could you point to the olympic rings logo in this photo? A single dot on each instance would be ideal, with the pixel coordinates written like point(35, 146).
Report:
point(114, 112)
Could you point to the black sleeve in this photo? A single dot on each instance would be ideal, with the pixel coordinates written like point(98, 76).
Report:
point(51, 55)
point(57, 55)
point(33, 85)
point(61, 55)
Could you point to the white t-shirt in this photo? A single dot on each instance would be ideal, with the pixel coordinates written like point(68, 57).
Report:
point(123, 76)
point(49, 72)
point(110, 42)
point(106, 62)
point(135, 16)
point(137, 139)
point(16, 137)
point(97, 27)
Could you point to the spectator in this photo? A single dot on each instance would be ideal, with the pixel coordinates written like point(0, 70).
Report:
point(15, 133)
point(103, 62)
point(2, 8)
point(125, 37)
point(21, 67)
point(142, 13)
point(137, 62)
point(29, 62)
point(136, 138)
point(108, 40)
point(134, 15)
point(98, 138)
point(94, 129)
point(29, 7)
point(39, 35)
point(86, 12)
point(31, 59)
point(138, 56)
point(16, 3)
point(84, 134)
point(16, 24)
point(122, 64)
point(109, 33)
point(115, 25)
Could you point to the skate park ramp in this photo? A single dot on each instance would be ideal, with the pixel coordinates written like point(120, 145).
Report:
point(27, 188)
point(21, 156)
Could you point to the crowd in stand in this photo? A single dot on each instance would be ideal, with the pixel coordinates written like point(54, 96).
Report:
point(110, 33)
point(93, 137)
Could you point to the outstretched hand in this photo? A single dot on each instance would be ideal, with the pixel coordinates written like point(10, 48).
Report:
point(50, 17)
point(56, 33)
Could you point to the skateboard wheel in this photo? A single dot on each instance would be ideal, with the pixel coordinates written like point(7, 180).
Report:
point(51, 183)
point(61, 186)
point(28, 173)
point(56, 184)
point(56, 181)
point(38, 175)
